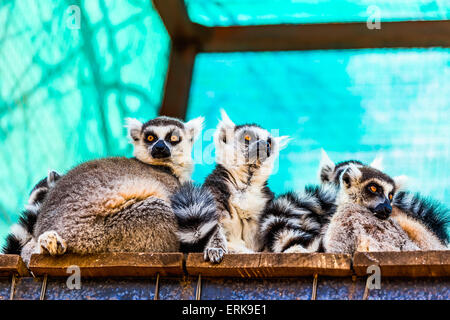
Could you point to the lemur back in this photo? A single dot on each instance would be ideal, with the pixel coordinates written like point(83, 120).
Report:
point(120, 204)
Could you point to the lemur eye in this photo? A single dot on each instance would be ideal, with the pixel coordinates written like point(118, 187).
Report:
point(151, 138)
point(373, 189)
point(247, 137)
point(390, 196)
point(269, 142)
point(174, 138)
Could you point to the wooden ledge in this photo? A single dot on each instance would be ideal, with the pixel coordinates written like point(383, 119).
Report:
point(109, 264)
point(404, 264)
point(271, 265)
point(12, 264)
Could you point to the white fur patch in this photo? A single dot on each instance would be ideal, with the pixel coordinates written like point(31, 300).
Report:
point(326, 166)
point(195, 235)
point(20, 233)
point(377, 163)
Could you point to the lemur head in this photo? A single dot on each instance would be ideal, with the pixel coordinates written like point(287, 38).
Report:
point(40, 190)
point(245, 145)
point(369, 188)
point(165, 141)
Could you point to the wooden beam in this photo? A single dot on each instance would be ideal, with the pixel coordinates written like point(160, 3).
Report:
point(109, 264)
point(404, 264)
point(178, 82)
point(12, 264)
point(328, 36)
point(176, 20)
point(268, 265)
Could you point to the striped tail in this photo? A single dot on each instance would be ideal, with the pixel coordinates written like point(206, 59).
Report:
point(195, 210)
point(432, 213)
point(22, 231)
point(294, 222)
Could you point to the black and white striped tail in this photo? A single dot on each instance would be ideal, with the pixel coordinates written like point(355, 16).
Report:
point(22, 231)
point(431, 212)
point(195, 210)
point(297, 220)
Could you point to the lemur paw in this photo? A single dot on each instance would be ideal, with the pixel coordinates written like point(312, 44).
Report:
point(50, 242)
point(215, 255)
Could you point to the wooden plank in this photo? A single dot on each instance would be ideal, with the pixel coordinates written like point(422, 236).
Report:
point(271, 265)
point(178, 82)
point(12, 264)
point(109, 264)
point(306, 264)
point(328, 36)
point(174, 15)
point(404, 264)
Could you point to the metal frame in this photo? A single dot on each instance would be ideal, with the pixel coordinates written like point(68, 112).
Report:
point(189, 38)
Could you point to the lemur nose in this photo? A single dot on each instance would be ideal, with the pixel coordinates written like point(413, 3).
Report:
point(160, 150)
point(383, 210)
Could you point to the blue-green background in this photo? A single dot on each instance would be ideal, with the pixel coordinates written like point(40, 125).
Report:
point(64, 93)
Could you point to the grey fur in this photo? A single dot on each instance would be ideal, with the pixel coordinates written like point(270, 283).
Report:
point(196, 213)
point(117, 204)
point(425, 220)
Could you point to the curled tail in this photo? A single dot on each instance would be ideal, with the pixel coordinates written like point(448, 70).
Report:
point(294, 222)
point(196, 213)
point(431, 212)
point(22, 231)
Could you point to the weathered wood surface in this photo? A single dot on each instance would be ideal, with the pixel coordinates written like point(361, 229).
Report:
point(109, 264)
point(270, 265)
point(404, 264)
point(12, 264)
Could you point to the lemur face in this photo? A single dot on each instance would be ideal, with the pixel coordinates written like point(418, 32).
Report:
point(164, 140)
point(369, 188)
point(248, 144)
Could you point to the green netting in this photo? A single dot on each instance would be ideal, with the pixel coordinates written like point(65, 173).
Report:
point(254, 12)
point(65, 92)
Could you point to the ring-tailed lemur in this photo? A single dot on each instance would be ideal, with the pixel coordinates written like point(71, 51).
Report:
point(120, 204)
point(22, 231)
point(245, 156)
point(362, 219)
point(294, 222)
point(425, 220)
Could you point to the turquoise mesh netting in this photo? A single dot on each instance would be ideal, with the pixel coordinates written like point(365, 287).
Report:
point(252, 12)
point(65, 92)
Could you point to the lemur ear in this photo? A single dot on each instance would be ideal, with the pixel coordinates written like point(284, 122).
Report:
point(52, 177)
point(226, 121)
point(282, 141)
point(134, 128)
point(326, 168)
point(377, 163)
point(194, 127)
point(223, 128)
point(352, 173)
point(401, 182)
